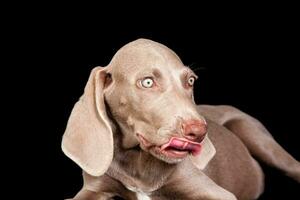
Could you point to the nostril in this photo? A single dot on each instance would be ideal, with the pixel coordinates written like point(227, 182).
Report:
point(191, 136)
point(194, 129)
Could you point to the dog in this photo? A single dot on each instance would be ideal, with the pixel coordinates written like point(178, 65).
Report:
point(137, 134)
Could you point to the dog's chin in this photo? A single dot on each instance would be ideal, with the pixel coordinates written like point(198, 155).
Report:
point(165, 158)
point(156, 152)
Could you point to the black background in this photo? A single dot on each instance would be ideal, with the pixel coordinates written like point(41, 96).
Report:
point(247, 59)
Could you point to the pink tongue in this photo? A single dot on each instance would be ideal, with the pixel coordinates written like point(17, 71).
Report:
point(183, 144)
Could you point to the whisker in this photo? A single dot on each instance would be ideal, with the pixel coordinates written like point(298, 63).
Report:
point(194, 67)
point(199, 69)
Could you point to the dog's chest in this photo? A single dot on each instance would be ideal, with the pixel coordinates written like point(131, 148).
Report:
point(141, 189)
point(140, 172)
point(140, 195)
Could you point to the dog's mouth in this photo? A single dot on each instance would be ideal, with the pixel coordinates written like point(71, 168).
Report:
point(180, 147)
point(176, 147)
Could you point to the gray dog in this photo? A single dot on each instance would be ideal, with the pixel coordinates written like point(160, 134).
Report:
point(137, 133)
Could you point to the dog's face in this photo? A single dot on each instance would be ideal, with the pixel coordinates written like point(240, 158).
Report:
point(150, 95)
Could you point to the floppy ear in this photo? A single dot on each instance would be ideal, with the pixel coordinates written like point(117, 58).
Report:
point(208, 151)
point(88, 138)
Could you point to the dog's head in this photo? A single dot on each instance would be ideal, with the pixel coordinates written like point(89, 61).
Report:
point(149, 93)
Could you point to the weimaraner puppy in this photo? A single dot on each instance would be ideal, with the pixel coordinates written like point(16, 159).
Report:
point(137, 134)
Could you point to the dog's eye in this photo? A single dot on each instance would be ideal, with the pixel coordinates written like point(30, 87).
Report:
point(191, 81)
point(147, 82)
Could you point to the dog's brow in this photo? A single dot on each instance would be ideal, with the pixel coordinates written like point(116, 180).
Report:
point(187, 71)
point(156, 72)
point(190, 71)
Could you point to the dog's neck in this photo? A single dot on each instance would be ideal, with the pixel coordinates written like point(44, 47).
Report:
point(137, 168)
point(134, 167)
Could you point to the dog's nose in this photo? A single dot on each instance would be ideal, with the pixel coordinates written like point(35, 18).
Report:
point(194, 130)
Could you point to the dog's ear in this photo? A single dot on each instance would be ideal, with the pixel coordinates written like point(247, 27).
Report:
point(208, 151)
point(88, 138)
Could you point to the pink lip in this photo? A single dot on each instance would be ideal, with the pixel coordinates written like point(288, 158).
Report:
point(181, 146)
point(177, 147)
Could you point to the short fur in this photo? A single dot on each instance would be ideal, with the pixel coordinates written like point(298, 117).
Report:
point(116, 127)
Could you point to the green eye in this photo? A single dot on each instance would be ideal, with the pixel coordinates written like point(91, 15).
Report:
point(147, 82)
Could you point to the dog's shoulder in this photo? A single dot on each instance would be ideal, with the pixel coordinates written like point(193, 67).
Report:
point(219, 113)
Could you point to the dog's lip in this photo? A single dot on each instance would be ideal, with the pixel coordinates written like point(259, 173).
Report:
point(173, 153)
point(180, 144)
point(144, 141)
point(175, 147)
